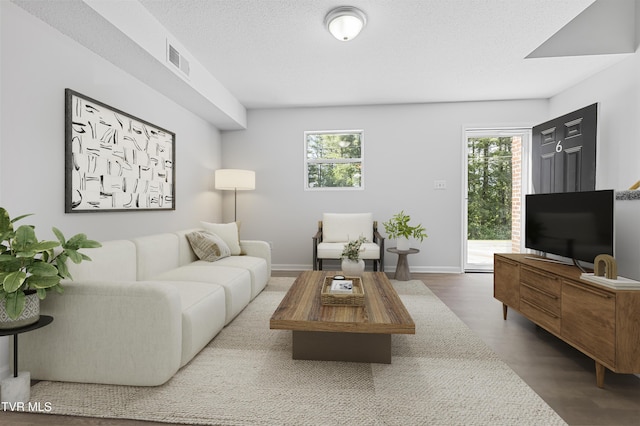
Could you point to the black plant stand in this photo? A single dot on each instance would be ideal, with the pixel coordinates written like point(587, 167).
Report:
point(17, 389)
point(43, 321)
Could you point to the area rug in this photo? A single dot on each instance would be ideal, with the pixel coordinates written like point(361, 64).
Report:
point(442, 375)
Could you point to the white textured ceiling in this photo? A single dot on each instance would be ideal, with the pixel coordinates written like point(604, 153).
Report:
point(277, 53)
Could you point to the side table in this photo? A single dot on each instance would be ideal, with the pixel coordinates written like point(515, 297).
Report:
point(402, 268)
point(17, 388)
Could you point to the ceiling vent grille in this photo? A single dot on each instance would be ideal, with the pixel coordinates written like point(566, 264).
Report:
point(179, 61)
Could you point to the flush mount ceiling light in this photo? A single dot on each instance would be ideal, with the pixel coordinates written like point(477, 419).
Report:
point(345, 22)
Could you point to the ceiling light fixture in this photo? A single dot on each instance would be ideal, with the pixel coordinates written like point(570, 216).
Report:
point(345, 22)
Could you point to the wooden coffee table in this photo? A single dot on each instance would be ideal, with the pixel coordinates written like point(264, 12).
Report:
point(342, 333)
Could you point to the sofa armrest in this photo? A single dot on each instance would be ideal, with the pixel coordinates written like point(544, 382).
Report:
point(126, 333)
point(257, 249)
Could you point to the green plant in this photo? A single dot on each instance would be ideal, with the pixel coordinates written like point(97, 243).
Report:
point(398, 226)
point(29, 264)
point(353, 248)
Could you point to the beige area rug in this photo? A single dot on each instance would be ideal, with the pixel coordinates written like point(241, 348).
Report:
point(442, 375)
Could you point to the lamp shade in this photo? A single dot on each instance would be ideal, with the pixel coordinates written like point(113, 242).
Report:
point(235, 179)
point(345, 22)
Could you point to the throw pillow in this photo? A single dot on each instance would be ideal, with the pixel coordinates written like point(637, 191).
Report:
point(208, 246)
point(229, 232)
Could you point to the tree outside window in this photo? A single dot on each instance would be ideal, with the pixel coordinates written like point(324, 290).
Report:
point(333, 159)
point(489, 188)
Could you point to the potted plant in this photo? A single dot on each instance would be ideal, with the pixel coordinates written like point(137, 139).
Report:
point(351, 263)
point(398, 228)
point(30, 268)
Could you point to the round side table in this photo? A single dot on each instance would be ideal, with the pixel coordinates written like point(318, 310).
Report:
point(17, 388)
point(402, 268)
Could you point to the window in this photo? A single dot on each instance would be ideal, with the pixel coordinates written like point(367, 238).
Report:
point(333, 160)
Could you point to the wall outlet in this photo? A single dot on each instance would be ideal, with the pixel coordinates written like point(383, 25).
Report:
point(440, 184)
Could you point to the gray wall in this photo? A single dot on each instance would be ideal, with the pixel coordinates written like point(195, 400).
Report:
point(406, 148)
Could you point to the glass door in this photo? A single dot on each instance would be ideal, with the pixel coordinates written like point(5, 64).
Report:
point(493, 196)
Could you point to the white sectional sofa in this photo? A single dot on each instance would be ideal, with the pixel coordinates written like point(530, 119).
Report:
point(140, 310)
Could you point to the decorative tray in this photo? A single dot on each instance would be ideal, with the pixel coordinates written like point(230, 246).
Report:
point(356, 298)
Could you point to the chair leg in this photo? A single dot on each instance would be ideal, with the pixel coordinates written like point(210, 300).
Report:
point(319, 264)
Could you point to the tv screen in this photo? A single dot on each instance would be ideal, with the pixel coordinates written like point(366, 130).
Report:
point(577, 225)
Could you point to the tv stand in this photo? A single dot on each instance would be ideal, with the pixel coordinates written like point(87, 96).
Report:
point(600, 322)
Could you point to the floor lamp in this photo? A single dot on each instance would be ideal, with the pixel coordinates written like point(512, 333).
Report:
point(236, 180)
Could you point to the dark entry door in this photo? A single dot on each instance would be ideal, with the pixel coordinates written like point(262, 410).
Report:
point(564, 152)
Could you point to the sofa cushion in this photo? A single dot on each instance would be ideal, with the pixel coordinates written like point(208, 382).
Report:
point(256, 266)
point(229, 232)
point(156, 254)
point(343, 227)
point(203, 315)
point(235, 281)
point(208, 246)
point(121, 253)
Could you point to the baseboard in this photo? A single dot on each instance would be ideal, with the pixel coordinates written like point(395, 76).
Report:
point(416, 269)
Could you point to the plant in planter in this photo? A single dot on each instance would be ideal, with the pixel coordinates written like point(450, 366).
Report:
point(398, 228)
point(30, 268)
point(351, 262)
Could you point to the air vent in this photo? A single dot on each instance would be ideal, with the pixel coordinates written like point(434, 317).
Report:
point(179, 61)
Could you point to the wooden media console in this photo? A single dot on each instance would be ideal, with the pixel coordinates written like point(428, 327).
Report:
point(601, 322)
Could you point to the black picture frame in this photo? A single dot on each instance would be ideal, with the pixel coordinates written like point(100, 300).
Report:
point(114, 161)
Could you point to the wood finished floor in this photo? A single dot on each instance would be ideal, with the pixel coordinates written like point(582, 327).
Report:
point(561, 375)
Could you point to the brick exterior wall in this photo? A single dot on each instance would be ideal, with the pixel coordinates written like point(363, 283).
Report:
point(516, 192)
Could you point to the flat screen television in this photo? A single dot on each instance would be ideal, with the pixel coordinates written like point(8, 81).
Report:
point(576, 225)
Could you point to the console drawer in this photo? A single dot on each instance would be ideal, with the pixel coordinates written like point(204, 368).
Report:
point(542, 298)
point(543, 282)
point(540, 315)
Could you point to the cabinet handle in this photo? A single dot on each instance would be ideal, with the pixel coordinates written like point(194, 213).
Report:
point(590, 290)
point(540, 308)
point(541, 273)
point(536, 289)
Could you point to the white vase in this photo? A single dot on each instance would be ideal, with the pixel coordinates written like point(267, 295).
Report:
point(352, 268)
point(402, 243)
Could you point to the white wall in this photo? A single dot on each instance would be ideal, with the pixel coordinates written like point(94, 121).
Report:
point(406, 148)
point(617, 90)
point(38, 63)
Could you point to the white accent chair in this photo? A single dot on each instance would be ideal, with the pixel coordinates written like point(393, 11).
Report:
point(336, 229)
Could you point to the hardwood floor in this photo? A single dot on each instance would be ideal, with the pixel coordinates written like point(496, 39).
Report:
point(561, 375)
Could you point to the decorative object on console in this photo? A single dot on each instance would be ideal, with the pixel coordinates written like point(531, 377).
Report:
point(605, 266)
point(351, 262)
point(605, 273)
point(398, 228)
point(115, 161)
point(235, 180)
point(30, 268)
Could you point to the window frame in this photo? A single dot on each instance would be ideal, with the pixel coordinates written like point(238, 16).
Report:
point(308, 162)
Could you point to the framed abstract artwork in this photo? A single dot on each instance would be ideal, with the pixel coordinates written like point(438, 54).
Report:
point(115, 161)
